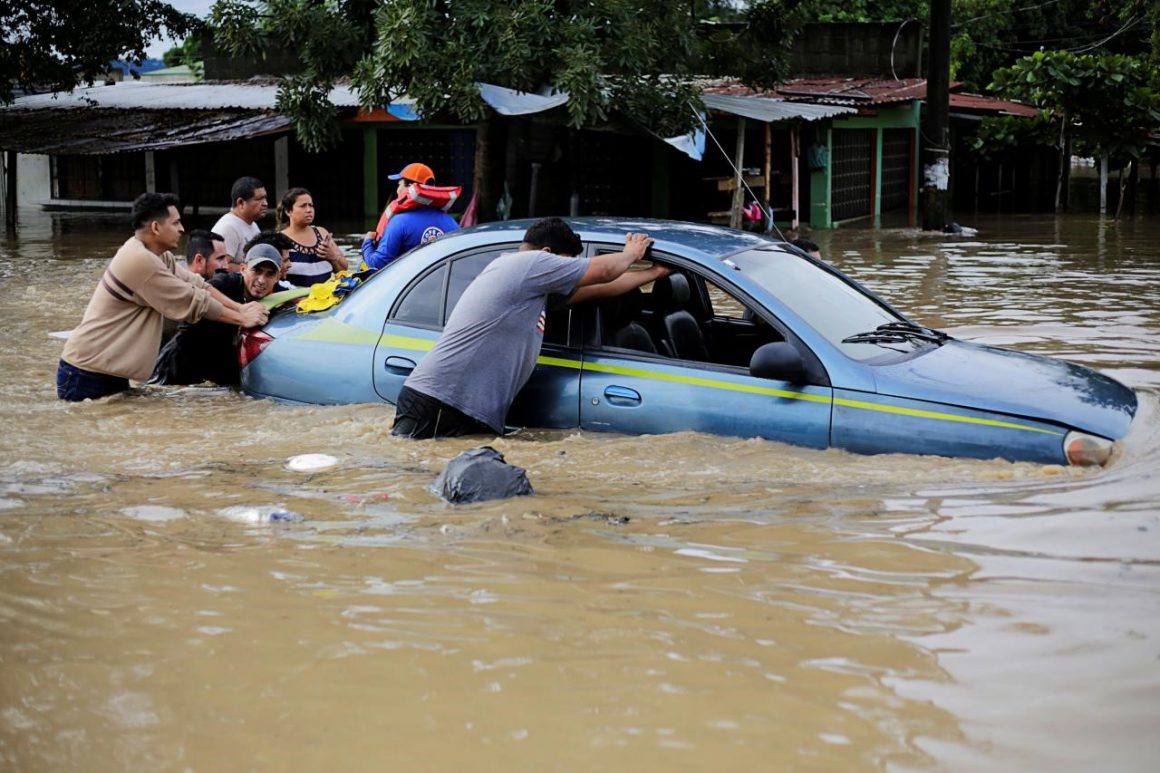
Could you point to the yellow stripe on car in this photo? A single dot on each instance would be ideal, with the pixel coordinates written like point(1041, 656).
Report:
point(332, 331)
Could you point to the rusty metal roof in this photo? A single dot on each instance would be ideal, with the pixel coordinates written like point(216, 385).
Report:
point(979, 103)
point(852, 92)
point(857, 92)
point(93, 130)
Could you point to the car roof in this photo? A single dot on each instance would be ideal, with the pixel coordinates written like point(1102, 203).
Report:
point(709, 240)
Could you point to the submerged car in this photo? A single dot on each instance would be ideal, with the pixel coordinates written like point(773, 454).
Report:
point(747, 337)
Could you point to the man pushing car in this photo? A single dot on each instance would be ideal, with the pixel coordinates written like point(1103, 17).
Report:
point(468, 381)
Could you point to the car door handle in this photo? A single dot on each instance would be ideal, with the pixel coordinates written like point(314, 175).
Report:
point(618, 395)
point(400, 365)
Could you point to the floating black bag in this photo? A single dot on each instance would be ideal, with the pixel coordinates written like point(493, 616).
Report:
point(478, 475)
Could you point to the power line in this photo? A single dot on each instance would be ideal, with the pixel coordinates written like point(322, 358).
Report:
point(1013, 10)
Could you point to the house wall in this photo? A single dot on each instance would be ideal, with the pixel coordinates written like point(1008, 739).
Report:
point(904, 116)
point(890, 49)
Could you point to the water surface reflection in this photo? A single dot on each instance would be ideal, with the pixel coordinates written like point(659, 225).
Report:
point(666, 602)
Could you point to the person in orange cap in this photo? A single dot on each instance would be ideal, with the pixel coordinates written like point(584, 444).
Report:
point(418, 215)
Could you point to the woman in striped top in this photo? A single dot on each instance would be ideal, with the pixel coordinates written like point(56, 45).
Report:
point(315, 257)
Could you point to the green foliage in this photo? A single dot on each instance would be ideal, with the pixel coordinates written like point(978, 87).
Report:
point(989, 34)
point(867, 10)
point(756, 50)
point(636, 57)
point(56, 44)
point(1110, 102)
point(188, 53)
point(1004, 134)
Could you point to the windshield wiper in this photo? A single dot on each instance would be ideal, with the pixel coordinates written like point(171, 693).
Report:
point(896, 333)
point(911, 328)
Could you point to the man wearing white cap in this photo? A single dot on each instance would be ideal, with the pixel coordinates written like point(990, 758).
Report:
point(206, 351)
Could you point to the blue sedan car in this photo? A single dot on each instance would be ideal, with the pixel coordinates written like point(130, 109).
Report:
point(747, 337)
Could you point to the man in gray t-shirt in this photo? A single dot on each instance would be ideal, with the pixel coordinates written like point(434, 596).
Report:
point(465, 385)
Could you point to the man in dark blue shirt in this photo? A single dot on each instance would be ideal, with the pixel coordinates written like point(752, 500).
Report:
point(205, 351)
point(410, 222)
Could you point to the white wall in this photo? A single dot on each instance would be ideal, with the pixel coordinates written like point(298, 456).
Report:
point(33, 180)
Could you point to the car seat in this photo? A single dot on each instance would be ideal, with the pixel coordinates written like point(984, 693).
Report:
point(681, 336)
point(621, 327)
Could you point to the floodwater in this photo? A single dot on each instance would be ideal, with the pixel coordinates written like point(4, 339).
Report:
point(683, 602)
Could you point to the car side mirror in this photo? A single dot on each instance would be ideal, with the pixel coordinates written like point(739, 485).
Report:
point(779, 362)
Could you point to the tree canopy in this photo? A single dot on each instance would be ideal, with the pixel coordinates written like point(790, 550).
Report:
point(55, 44)
point(633, 57)
point(188, 53)
point(1110, 103)
point(989, 34)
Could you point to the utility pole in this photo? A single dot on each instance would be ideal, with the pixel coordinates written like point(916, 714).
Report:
point(936, 149)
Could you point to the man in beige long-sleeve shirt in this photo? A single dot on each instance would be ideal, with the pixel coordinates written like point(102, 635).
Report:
point(120, 335)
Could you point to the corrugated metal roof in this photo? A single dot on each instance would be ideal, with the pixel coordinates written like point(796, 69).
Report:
point(832, 91)
point(858, 92)
point(88, 131)
point(174, 96)
point(855, 91)
point(771, 110)
point(990, 105)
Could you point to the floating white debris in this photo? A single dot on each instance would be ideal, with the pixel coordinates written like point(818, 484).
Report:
point(153, 513)
point(310, 462)
point(244, 514)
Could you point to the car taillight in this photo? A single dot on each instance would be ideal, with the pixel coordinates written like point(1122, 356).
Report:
point(253, 342)
point(1081, 448)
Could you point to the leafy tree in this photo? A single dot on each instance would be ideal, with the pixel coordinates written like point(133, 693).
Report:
point(188, 53)
point(55, 44)
point(632, 56)
point(1107, 104)
point(867, 10)
point(990, 34)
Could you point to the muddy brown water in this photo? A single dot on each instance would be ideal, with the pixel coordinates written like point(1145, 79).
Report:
point(762, 607)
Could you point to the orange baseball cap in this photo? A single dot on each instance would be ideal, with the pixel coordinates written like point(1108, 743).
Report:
point(420, 173)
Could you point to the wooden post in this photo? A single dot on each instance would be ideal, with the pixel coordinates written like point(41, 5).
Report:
point(150, 172)
point(768, 226)
point(10, 191)
point(1104, 184)
point(534, 188)
point(738, 179)
point(795, 146)
point(175, 178)
point(281, 165)
point(371, 203)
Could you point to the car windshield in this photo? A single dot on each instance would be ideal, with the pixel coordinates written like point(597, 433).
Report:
point(828, 304)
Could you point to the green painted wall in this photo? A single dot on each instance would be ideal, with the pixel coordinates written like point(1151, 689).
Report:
point(903, 116)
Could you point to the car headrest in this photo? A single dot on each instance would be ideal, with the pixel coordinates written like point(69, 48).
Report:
point(671, 292)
